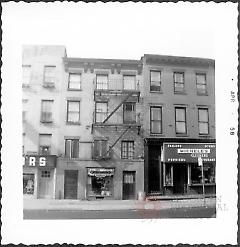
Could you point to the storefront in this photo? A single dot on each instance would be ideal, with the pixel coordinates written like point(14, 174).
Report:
point(182, 172)
point(39, 176)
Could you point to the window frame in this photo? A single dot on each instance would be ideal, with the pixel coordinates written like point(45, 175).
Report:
point(71, 151)
point(160, 82)
point(203, 108)
point(182, 83)
point(42, 119)
point(125, 154)
point(69, 82)
point(101, 150)
point(96, 112)
point(185, 121)
point(67, 120)
point(102, 88)
point(24, 84)
point(49, 83)
point(205, 84)
point(135, 82)
point(161, 127)
point(133, 112)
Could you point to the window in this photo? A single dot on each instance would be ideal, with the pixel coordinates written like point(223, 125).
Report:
point(73, 111)
point(102, 82)
point(23, 143)
point(49, 75)
point(100, 148)
point(45, 174)
point(208, 172)
point(201, 83)
point(180, 116)
point(24, 111)
point(129, 82)
point(46, 111)
point(74, 81)
point(155, 81)
point(26, 75)
point(178, 81)
point(101, 111)
point(129, 112)
point(72, 148)
point(156, 119)
point(45, 144)
point(127, 150)
point(28, 183)
point(203, 124)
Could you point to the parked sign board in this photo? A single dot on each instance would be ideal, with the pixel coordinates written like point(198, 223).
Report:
point(40, 160)
point(189, 152)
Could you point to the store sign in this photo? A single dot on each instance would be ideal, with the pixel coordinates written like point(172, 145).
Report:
point(188, 152)
point(40, 160)
point(100, 172)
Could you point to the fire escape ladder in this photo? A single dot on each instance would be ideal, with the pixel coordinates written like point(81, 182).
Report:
point(123, 133)
point(118, 106)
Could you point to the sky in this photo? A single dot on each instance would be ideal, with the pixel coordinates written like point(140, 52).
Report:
point(116, 30)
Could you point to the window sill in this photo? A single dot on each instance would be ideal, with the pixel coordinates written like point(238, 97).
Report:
point(157, 92)
point(73, 123)
point(25, 85)
point(202, 94)
point(71, 89)
point(183, 93)
point(48, 85)
point(204, 135)
point(156, 134)
point(182, 135)
point(46, 122)
point(201, 184)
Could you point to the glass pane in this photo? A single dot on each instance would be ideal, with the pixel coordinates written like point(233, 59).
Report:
point(203, 115)
point(155, 76)
point(201, 88)
point(101, 107)
point(68, 148)
point(178, 77)
point(28, 184)
point(201, 79)
point(156, 113)
point(156, 127)
point(203, 128)
point(74, 81)
point(181, 127)
point(129, 82)
point(102, 82)
point(75, 148)
point(178, 87)
point(73, 106)
point(73, 117)
point(180, 114)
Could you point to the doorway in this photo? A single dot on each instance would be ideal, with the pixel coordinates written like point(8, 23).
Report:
point(129, 185)
point(179, 178)
point(46, 184)
point(70, 184)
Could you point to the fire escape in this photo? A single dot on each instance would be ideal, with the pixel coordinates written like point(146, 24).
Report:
point(121, 100)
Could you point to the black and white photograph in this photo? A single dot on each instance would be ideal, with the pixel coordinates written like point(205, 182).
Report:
point(119, 119)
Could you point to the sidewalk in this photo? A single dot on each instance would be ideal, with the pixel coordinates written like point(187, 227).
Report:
point(74, 205)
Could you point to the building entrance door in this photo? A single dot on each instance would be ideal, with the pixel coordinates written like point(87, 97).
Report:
point(129, 185)
point(46, 184)
point(179, 178)
point(70, 184)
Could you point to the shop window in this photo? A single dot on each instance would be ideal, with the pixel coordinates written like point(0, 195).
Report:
point(49, 76)
point(26, 75)
point(28, 183)
point(45, 144)
point(45, 174)
point(101, 111)
point(168, 175)
point(74, 81)
point(46, 111)
point(156, 119)
point(127, 150)
point(129, 82)
point(100, 148)
point(203, 123)
point(100, 186)
point(208, 171)
point(129, 113)
point(201, 83)
point(178, 82)
point(73, 111)
point(155, 81)
point(180, 116)
point(102, 82)
point(72, 148)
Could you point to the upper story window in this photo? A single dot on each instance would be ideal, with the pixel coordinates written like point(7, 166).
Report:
point(101, 111)
point(178, 82)
point(201, 83)
point(73, 111)
point(46, 111)
point(155, 81)
point(129, 82)
point(26, 75)
point(74, 81)
point(24, 112)
point(102, 82)
point(72, 148)
point(49, 75)
point(180, 118)
point(45, 144)
point(129, 113)
point(203, 121)
point(127, 150)
point(100, 148)
point(156, 119)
